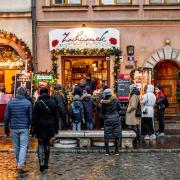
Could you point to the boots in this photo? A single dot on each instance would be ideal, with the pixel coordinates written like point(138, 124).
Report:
point(46, 153)
point(107, 147)
point(116, 146)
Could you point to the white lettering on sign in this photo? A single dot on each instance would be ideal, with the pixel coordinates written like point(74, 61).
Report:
point(10, 64)
point(84, 38)
point(44, 77)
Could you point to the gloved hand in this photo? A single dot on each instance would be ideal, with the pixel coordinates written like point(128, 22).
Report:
point(7, 131)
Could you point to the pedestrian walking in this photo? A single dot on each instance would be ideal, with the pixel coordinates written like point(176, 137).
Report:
point(148, 102)
point(19, 115)
point(161, 104)
point(89, 106)
point(77, 113)
point(132, 119)
point(109, 112)
point(44, 125)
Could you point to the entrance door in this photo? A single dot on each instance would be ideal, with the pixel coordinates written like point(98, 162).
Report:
point(165, 74)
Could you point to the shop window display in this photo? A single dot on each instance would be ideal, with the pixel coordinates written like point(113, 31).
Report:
point(76, 70)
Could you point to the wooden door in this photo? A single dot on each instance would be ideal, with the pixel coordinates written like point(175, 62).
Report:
point(165, 74)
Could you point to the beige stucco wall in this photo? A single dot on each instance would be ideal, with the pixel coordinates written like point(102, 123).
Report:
point(92, 13)
point(146, 39)
point(145, 27)
point(21, 27)
point(15, 17)
point(15, 5)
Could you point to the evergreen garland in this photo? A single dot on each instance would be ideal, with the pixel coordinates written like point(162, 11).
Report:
point(178, 86)
point(21, 44)
point(88, 52)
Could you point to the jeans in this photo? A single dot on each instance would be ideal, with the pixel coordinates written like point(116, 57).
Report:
point(43, 151)
point(89, 125)
point(77, 126)
point(20, 139)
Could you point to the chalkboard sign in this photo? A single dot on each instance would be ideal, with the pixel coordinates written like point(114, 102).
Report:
point(123, 83)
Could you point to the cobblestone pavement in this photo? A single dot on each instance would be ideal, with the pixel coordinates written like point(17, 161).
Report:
point(68, 166)
point(167, 142)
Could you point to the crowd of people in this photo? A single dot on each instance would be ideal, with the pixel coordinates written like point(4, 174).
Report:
point(49, 114)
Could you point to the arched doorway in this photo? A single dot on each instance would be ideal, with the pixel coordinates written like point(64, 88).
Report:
point(166, 75)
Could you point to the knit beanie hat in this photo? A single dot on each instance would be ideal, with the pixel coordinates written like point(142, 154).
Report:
point(43, 90)
point(58, 87)
point(77, 97)
point(107, 92)
point(132, 87)
point(21, 91)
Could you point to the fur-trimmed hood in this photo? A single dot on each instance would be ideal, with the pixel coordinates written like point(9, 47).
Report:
point(86, 96)
point(108, 101)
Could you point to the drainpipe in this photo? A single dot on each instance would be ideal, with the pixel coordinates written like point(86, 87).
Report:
point(34, 34)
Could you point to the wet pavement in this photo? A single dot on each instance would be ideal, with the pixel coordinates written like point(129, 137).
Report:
point(73, 166)
point(167, 142)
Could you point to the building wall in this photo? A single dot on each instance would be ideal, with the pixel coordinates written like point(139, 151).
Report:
point(15, 17)
point(144, 26)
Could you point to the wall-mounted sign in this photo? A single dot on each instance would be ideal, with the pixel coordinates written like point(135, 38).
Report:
point(81, 38)
point(42, 80)
point(11, 64)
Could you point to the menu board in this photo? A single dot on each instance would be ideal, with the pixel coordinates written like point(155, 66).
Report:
point(123, 84)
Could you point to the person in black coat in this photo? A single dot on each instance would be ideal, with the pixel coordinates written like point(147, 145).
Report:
point(109, 110)
point(61, 106)
point(44, 125)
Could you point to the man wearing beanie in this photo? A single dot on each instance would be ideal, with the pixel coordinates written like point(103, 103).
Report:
point(18, 115)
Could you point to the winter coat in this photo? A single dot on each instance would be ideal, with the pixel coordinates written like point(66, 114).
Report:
point(131, 119)
point(61, 104)
point(148, 101)
point(18, 113)
point(160, 101)
point(89, 106)
point(45, 117)
point(79, 115)
point(109, 112)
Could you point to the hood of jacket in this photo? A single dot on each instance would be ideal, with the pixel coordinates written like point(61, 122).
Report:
point(108, 101)
point(150, 88)
point(77, 104)
point(86, 97)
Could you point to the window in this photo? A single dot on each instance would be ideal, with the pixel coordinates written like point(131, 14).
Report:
point(67, 2)
point(164, 1)
point(115, 2)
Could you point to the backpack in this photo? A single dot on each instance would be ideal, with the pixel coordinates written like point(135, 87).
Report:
point(75, 113)
point(166, 103)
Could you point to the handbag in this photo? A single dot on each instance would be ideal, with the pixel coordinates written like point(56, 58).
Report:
point(138, 112)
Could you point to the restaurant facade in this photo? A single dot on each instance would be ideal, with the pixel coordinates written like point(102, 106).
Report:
point(82, 35)
point(15, 46)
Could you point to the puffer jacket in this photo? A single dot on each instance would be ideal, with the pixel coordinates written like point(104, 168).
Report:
point(89, 106)
point(18, 113)
point(109, 112)
point(148, 101)
point(45, 120)
point(77, 116)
